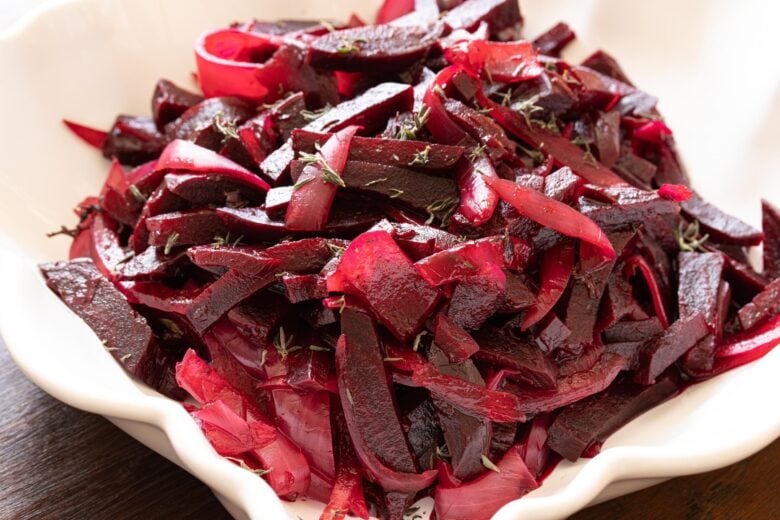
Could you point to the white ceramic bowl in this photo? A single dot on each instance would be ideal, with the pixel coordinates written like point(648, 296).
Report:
point(89, 59)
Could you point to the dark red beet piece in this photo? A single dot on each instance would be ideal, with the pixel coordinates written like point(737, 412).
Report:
point(133, 140)
point(230, 289)
point(770, 221)
point(367, 110)
point(763, 307)
point(391, 47)
point(517, 296)
point(631, 205)
point(170, 101)
point(552, 41)
point(188, 228)
point(640, 330)
point(500, 15)
point(123, 331)
point(316, 187)
point(571, 388)
point(582, 308)
point(369, 408)
point(248, 260)
point(306, 255)
point(698, 361)
point(608, 137)
point(506, 62)
point(466, 437)
point(301, 287)
point(553, 214)
point(453, 340)
point(152, 264)
point(374, 269)
point(347, 495)
point(719, 225)
point(699, 282)
point(660, 353)
point(476, 298)
point(311, 370)
point(480, 498)
point(557, 266)
point(391, 152)
point(258, 317)
point(598, 416)
point(530, 365)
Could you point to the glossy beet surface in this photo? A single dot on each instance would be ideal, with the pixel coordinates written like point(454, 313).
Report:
point(423, 257)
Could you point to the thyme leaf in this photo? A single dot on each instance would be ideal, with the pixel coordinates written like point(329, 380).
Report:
point(171, 242)
point(421, 158)
point(489, 464)
point(136, 193)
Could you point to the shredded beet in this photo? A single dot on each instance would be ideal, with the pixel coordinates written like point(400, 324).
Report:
point(422, 257)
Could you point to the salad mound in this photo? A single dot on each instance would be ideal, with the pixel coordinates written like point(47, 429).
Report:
point(424, 257)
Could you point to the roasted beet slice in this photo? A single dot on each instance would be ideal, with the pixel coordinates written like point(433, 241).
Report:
point(316, 186)
point(476, 298)
point(416, 191)
point(368, 110)
point(152, 264)
point(770, 219)
point(597, 417)
point(500, 15)
point(640, 330)
point(763, 307)
point(185, 228)
point(248, 260)
point(455, 342)
point(528, 362)
point(467, 437)
point(571, 388)
point(582, 308)
point(552, 41)
point(747, 347)
point(259, 316)
point(391, 47)
point(133, 140)
point(123, 331)
point(229, 290)
point(170, 101)
point(699, 282)
point(347, 495)
point(206, 121)
point(369, 408)
point(664, 350)
point(482, 497)
point(627, 206)
point(719, 225)
point(391, 152)
point(556, 269)
point(374, 269)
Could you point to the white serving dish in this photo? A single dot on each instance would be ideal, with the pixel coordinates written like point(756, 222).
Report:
point(90, 59)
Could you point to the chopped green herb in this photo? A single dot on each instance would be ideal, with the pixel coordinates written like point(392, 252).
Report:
point(350, 46)
point(283, 344)
point(395, 193)
point(410, 129)
point(476, 152)
point(527, 107)
point(392, 359)
point(225, 241)
point(301, 183)
point(125, 357)
point(71, 232)
point(129, 256)
point(171, 326)
point(341, 302)
point(311, 115)
point(259, 472)
point(328, 174)
point(417, 339)
point(421, 158)
point(328, 25)
point(317, 348)
point(443, 452)
point(349, 397)
point(536, 155)
point(136, 193)
point(375, 181)
point(263, 356)
point(442, 210)
point(440, 91)
point(226, 128)
point(688, 238)
point(171, 242)
point(489, 464)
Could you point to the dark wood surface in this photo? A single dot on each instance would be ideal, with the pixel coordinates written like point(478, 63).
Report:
point(60, 463)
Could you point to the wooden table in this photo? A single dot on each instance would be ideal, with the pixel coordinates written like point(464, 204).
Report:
point(58, 462)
